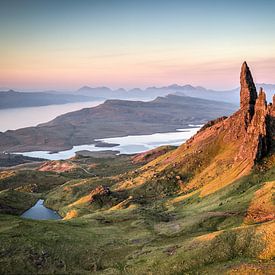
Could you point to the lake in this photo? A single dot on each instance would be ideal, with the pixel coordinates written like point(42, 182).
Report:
point(40, 212)
point(15, 118)
point(127, 145)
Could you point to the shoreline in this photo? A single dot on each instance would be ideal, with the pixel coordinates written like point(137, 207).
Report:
point(131, 144)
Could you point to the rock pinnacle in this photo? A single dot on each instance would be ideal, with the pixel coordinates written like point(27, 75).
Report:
point(248, 93)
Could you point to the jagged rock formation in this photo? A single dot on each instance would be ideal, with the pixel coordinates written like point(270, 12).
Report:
point(248, 132)
point(250, 125)
point(223, 150)
point(248, 91)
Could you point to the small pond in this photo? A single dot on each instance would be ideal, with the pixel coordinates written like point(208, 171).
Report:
point(40, 212)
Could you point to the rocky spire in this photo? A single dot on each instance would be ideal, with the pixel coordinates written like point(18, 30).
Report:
point(258, 128)
point(248, 91)
point(261, 100)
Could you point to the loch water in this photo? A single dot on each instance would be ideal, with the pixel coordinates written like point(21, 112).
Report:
point(40, 212)
point(126, 145)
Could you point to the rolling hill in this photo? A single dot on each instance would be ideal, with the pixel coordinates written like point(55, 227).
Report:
point(114, 118)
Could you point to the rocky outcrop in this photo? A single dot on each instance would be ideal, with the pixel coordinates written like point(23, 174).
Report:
point(258, 127)
point(223, 150)
point(250, 126)
point(99, 193)
point(256, 143)
point(253, 126)
point(248, 92)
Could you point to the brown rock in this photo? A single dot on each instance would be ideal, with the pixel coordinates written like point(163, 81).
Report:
point(248, 91)
point(100, 191)
point(271, 126)
point(257, 130)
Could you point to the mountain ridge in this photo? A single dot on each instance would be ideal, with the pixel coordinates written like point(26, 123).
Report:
point(231, 95)
point(149, 93)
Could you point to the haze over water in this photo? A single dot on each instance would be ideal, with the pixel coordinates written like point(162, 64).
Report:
point(16, 118)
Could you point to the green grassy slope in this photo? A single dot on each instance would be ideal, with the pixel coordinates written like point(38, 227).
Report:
point(14, 202)
point(172, 234)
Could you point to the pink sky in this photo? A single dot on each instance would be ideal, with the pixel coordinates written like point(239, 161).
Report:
point(65, 44)
point(128, 71)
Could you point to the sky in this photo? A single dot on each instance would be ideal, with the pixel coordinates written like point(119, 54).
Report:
point(65, 44)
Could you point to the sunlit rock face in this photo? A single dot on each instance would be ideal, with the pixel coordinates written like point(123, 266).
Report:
point(249, 126)
point(248, 92)
point(227, 148)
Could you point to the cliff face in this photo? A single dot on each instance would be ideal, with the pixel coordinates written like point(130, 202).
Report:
point(258, 120)
point(249, 126)
point(224, 150)
point(248, 93)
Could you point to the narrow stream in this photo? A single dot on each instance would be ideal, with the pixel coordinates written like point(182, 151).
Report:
point(40, 212)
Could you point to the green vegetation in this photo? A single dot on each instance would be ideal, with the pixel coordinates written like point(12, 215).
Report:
point(32, 181)
point(157, 231)
point(106, 167)
point(14, 202)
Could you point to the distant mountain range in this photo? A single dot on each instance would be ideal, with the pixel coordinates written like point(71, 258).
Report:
point(12, 99)
point(185, 90)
